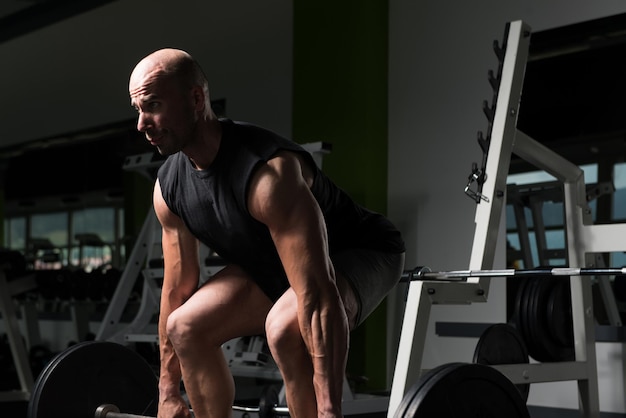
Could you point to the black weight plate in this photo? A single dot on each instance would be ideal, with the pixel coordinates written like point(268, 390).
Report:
point(502, 344)
point(619, 287)
point(558, 317)
point(550, 348)
point(268, 400)
point(92, 373)
point(529, 323)
point(536, 348)
point(523, 282)
point(467, 390)
point(559, 314)
point(416, 389)
point(520, 309)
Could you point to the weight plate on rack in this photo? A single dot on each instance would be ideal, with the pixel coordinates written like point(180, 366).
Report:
point(415, 393)
point(516, 317)
point(534, 323)
point(544, 317)
point(92, 373)
point(502, 344)
point(527, 318)
point(464, 390)
point(559, 314)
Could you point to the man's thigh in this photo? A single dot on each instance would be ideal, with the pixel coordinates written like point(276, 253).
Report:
point(229, 305)
point(370, 275)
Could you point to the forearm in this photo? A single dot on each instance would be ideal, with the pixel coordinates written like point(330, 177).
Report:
point(325, 332)
point(170, 373)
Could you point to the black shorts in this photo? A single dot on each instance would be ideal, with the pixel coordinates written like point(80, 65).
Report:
point(372, 274)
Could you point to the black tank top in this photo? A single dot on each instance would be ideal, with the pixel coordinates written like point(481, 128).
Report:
point(213, 205)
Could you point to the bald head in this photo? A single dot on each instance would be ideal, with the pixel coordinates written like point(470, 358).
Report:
point(170, 63)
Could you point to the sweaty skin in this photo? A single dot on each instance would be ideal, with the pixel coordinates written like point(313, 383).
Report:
point(307, 328)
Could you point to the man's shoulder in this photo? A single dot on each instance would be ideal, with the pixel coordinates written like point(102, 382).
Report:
point(169, 165)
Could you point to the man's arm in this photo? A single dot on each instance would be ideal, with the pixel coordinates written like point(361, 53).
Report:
point(180, 280)
point(281, 198)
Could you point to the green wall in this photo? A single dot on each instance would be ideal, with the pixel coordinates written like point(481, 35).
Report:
point(340, 97)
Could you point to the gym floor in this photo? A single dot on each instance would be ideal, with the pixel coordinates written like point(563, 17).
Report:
point(20, 409)
point(13, 409)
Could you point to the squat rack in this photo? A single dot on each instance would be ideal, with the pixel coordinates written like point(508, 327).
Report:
point(582, 240)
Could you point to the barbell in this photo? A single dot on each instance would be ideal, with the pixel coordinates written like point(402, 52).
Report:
point(96, 379)
point(264, 409)
point(542, 311)
point(102, 374)
point(425, 273)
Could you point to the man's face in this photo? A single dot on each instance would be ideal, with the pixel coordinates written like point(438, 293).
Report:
point(166, 111)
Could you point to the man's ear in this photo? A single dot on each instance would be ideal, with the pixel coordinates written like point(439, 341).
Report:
point(197, 95)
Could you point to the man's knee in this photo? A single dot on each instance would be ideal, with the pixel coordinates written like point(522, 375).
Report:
point(176, 329)
point(183, 330)
point(282, 331)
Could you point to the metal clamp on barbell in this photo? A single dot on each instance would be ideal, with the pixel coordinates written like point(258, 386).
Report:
point(112, 411)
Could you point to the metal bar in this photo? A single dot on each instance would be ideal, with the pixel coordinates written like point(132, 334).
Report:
point(112, 411)
point(458, 275)
point(522, 231)
point(136, 261)
point(488, 214)
point(411, 346)
point(276, 410)
point(122, 415)
point(536, 211)
point(543, 372)
point(16, 343)
point(546, 159)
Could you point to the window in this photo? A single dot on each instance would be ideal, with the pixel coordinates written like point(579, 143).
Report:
point(87, 238)
point(540, 216)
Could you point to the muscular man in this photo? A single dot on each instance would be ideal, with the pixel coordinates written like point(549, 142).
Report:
point(304, 263)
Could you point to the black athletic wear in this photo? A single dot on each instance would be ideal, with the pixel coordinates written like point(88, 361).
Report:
point(212, 203)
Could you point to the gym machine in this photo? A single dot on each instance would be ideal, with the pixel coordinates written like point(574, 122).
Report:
point(8, 289)
point(533, 197)
point(582, 240)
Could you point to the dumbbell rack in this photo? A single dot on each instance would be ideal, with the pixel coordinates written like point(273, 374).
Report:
point(582, 240)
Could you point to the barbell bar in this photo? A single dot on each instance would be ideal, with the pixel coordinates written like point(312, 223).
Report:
point(275, 410)
point(112, 411)
point(425, 273)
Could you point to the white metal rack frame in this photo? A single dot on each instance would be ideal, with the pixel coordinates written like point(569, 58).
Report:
point(582, 240)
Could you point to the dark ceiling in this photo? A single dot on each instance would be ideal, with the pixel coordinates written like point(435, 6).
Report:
point(573, 100)
point(574, 95)
point(20, 17)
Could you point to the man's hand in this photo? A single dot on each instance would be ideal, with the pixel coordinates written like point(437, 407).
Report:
point(174, 406)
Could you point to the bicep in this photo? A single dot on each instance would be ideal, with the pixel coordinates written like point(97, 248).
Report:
point(281, 199)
